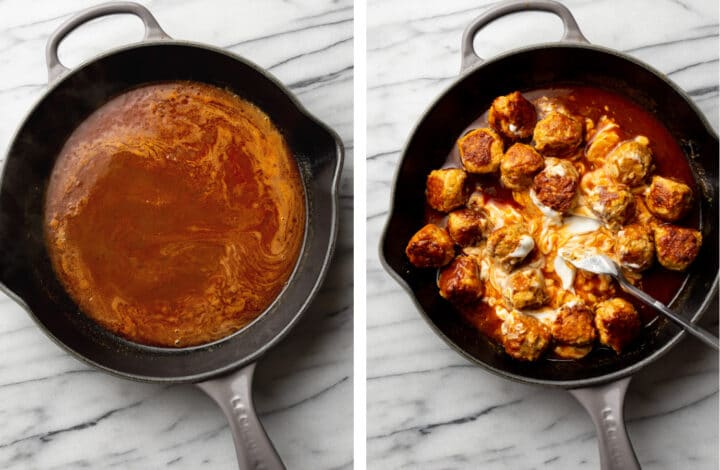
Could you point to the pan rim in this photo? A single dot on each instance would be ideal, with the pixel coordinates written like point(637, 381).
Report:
point(465, 74)
point(332, 191)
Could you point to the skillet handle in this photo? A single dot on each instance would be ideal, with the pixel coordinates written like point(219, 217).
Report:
point(605, 403)
point(571, 33)
point(152, 30)
point(234, 395)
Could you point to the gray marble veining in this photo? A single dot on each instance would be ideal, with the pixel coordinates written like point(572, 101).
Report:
point(58, 413)
point(428, 407)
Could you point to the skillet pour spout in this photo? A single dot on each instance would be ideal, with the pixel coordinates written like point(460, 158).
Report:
point(600, 380)
point(224, 368)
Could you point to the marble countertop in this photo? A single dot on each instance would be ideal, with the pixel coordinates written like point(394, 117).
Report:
point(59, 413)
point(428, 407)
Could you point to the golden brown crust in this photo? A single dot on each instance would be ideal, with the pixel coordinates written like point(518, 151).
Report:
point(512, 116)
point(612, 203)
point(524, 337)
point(635, 247)
point(617, 323)
point(630, 162)
point(481, 150)
point(555, 186)
point(558, 134)
point(445, 189)
point(676, 247)
point(574, 325)
point(460, 282)
point(430, 247)
point(518, 166)
point(525, 289)
point(466, 226)
point(668, 199)
point(506, 244)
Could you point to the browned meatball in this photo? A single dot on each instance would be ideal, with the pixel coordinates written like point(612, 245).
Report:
point(629, 163)
point(460, 281)
point(612, 203)
point(617, 323)
point(668, 199)
point(574, 324)
point(556, 185)
point(430, 247)
point(518, 166)
point(510, 245)
point(635, 248)
point(558, 134)
point(481, 150)
point(525, 289)
point(676, 247)
point(512, 116)
point(524, 337)
point(445, 189)
point(466, 226)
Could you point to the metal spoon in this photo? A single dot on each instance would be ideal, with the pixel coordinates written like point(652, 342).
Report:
point(601, 264)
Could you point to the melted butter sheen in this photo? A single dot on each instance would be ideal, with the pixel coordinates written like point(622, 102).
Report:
point(175, 214)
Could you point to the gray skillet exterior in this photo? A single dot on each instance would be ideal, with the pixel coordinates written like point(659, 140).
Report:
point(598, 381)
point(704, 167)
point(25, 272)
point(223, 369)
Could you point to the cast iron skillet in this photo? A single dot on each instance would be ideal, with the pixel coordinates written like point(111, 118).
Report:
point(600, 380)
point(223, 369)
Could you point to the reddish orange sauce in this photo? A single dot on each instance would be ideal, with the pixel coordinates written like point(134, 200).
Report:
point(668, 159)
point(175, 214)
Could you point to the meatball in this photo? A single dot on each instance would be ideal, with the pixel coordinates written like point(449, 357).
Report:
point(525, 289)
point(602, 142)
point(668, 199)
point(617, 323)
point(676, 247)
point(574, 324)
point(466, 226)
point(635, 248)
point(481, 151)
point(460, 281)
point(510, 245)
point(518, 166)
point(629, 163)
point(524, 337)
point(558, 134)
point(445, 189)
point(430, 247)
point(612, 203)
point(512, 116)
point(555, 186)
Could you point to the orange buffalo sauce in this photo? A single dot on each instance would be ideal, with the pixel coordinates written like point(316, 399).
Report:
point(175, 214)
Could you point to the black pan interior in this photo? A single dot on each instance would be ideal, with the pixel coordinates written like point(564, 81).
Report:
point(535, 68)
point(25, 268)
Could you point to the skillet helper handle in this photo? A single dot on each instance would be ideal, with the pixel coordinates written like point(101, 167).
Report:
point(696, 331)
point(152, 30)
point(470, 58)
point(234, 395)
point(605, 403)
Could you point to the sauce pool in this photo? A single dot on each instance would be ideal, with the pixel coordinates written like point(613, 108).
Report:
point(175, 214)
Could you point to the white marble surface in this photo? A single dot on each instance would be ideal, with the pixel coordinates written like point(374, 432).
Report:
point(58, 413)
point(429, 408)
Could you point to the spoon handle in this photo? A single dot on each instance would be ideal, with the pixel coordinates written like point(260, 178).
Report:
point(694, 330)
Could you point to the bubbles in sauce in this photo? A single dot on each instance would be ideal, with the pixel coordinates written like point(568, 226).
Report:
point(175, 214)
